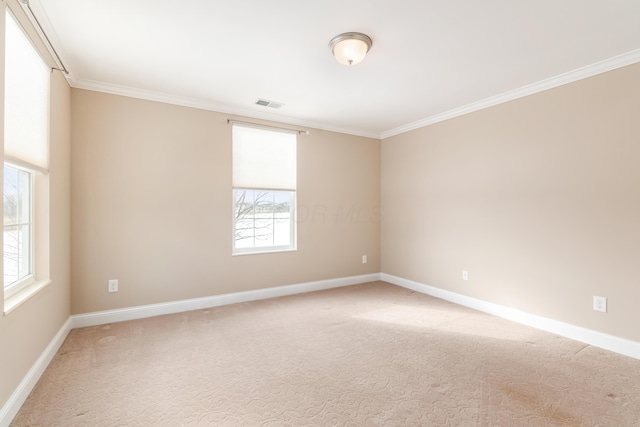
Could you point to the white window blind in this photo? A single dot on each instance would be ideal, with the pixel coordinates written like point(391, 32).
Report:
point(263, 159)
point(26, 101)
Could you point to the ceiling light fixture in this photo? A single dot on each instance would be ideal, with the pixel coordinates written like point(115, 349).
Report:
point(350, 48)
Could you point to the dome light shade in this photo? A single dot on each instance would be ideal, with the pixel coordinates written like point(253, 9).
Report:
point(350, 48)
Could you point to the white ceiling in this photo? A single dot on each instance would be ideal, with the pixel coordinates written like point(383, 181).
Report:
point(430, 60)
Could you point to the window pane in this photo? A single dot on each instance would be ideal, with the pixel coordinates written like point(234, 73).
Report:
point(264, 202)
point(17, 224)
point(282, 203)
point(245, 196)
point(11, 257)
point(10, 196)
point(282, 232)
point(24, 197)
point(264, 232)
point(24, 254)
point(263, 219)
point(244, 234)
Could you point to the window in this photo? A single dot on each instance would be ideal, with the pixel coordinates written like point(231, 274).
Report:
point(264, 190)
point(263, 219)
point(17, 227)
point(26, 163)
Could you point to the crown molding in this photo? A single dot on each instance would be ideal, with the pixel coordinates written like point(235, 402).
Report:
point(613, 63)
point(207, 105)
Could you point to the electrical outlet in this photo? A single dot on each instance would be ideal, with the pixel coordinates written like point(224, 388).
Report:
point(364, 259)
point(113, 285)
point(600, 304)
point(465, 275)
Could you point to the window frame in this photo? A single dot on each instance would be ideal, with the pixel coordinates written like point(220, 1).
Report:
point(19, 292)
point(264, 159)
point(292, 246)
point(22, 283)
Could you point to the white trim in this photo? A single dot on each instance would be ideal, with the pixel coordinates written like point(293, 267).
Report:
point(21, 164)
point(18, 298)
point(143, 311)
point(209, 106)
point(18, 397)
point(21, 284)
point(599, 67)
point(20, 394)
point(587, 336)
point(603, 66)
point(255, 250)
point(555, 81)
point(267, 250)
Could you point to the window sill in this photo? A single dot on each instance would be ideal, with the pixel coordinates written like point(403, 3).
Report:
point(272, 251)
point(22, 296)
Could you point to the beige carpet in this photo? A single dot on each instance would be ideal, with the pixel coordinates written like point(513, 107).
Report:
point(366, 355)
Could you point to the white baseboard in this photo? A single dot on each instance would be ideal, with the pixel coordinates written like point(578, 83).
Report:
point(587, 336)
point(143, 311)
point(12, 406)
point(598, 339)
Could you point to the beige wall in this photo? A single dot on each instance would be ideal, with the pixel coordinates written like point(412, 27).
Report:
point(151, 206)
point(538, 198)
point(26, 331)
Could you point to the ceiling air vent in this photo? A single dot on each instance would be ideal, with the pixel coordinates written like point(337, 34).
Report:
point(270, 104)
